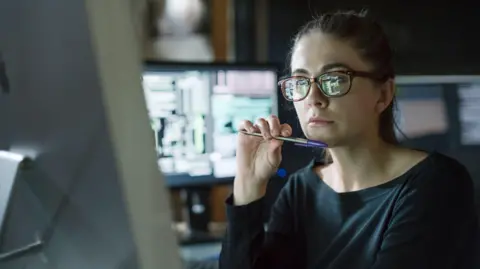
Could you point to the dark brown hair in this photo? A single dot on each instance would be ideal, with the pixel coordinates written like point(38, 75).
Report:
point(368, 37)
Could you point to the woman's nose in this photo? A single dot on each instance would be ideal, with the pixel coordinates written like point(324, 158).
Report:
point(316, 97)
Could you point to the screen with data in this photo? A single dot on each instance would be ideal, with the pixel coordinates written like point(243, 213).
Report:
point(421, 111)
point(469, 113)
point(194, 114)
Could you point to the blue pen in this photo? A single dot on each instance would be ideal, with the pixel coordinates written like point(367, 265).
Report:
point(298, 141)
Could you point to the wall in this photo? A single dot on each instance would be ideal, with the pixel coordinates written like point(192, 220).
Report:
point(429, 38)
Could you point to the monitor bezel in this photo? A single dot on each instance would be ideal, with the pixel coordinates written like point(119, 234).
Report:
point(175, 66)
point(436, 79)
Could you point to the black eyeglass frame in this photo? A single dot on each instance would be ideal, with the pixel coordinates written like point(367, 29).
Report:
point(352, 74)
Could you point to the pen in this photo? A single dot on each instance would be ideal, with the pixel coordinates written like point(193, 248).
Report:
point(298, 141)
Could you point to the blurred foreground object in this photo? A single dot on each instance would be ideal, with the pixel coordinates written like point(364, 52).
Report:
point(94, 196)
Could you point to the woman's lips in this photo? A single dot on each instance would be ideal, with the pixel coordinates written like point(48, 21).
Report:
point(315, 121)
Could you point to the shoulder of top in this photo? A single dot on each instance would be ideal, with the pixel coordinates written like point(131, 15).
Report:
point(441, 170)
point(443, 164)
point(436, 180)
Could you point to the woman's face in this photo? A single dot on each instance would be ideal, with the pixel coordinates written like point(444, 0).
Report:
point(341, 120)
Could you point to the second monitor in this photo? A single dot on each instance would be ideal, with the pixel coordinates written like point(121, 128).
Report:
point(194, 111)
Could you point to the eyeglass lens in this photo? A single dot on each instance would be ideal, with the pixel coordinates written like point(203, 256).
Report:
point(331, 84)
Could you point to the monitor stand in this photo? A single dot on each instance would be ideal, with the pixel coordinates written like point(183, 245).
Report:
point(197, 212)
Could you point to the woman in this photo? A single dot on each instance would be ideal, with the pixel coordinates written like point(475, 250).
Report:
point(372, 203)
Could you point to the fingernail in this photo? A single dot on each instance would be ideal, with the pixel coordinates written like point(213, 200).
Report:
point(285, 133)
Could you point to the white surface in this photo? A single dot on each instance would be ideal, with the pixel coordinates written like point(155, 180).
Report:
point(9, 163)
point(119, 65)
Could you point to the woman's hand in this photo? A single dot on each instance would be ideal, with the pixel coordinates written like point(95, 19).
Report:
point(258, 158)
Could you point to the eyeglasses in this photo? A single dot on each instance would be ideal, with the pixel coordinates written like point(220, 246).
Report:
point(332, 84)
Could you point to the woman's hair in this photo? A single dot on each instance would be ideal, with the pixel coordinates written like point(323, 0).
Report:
point(370, 41)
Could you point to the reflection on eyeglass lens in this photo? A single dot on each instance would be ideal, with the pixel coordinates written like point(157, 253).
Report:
point(331, 84)
point(296, 88)
point(335, 84)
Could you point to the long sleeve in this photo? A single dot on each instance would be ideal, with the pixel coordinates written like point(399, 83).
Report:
point(248, 246)
point(432, 226)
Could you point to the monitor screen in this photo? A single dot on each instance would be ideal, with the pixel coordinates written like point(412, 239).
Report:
point(449, 105)
point(421, 111)
point(194, 113)
point(469, 113)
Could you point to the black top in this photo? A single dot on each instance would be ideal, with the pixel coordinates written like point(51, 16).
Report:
point(422, 219)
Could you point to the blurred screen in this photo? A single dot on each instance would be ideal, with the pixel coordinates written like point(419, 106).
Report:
point(469, 114)
point(421, 111)
point(194, 115)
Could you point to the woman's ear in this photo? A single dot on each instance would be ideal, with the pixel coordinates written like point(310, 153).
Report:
point(387, 93)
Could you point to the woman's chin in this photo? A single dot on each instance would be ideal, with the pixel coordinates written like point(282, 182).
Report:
point(329, 139)
point(320, 136)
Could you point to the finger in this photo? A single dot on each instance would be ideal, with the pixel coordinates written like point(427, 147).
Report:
point(274, 124)
point(275, 146)
point(262, 124)
point(286, 130)
point(246, 125)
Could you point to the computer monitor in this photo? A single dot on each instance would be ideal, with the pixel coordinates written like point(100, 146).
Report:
point(93, 196)
point(439, 112)
point(195, 110)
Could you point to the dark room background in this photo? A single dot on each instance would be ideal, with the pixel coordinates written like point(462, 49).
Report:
point(429, 38)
